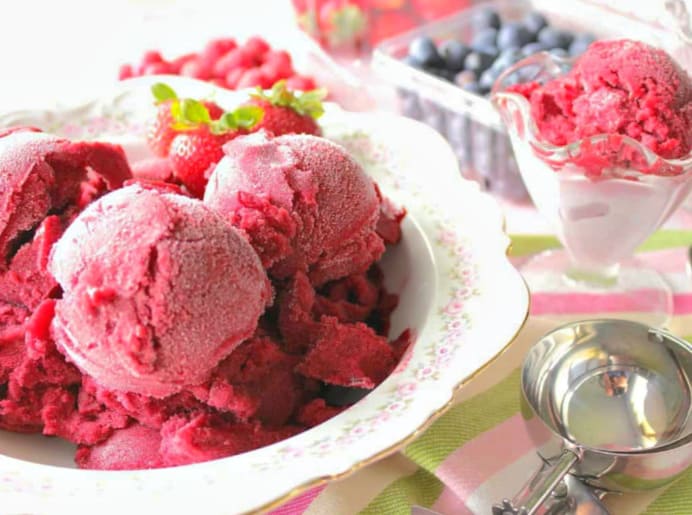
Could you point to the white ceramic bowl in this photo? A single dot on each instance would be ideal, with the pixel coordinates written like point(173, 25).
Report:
point(458, 293)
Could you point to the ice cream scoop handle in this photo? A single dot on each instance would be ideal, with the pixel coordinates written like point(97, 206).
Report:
point(539, 486)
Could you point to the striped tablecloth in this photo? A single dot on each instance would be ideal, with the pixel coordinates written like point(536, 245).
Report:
point(479, 452)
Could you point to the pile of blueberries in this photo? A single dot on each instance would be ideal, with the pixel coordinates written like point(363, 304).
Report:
point(494, 47)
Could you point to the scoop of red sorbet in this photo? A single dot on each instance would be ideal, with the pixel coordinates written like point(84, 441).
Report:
point(620, 87)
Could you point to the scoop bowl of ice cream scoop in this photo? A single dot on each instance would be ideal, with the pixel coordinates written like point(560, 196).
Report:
point(603, 145)
point(192, 291)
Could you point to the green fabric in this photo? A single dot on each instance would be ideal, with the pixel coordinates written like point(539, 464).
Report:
point(459, 425)
point(676, 500)
point(421, 488)
point(464, 422)
point(526, 244)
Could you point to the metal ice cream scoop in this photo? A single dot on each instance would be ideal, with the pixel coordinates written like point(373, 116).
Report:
point(612, 400)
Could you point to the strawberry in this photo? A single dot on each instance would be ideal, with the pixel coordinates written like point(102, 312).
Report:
point(192, 133)
point(388, 5)
point(192, 154)
point(390, 23)
point(343, 22)
point(161, 131)
point(433, 9)
point(286, 112)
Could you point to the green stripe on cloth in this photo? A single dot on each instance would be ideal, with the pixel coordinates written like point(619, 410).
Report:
point(464, 422)
point(421, 488)
point(668, 239)
point(677, 499)
point(526, 244)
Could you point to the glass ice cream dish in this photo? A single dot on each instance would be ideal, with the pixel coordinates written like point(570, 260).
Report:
point(604, 195)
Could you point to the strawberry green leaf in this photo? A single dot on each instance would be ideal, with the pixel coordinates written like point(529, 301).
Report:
point(281, 95)
point(176, 112)
point(163, 92)
point(182, 127)
point(226, 123)
point(246, 117)
point(194, 111)
point(348, 24)
point(308, 103)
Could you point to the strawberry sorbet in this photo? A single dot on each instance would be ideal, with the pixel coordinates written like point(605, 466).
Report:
point(152, 329)
point(618, 87)
point(304, 202)
point(151, 311)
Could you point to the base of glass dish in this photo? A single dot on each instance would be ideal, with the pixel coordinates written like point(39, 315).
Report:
point(632, 292)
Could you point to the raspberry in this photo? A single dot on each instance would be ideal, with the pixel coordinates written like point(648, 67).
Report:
point(196, 69)
point(254, 77)
point(300, 83)
point(233, 77)
point(157, 68)
point(151, 56)
point(125, 72)
point(235, 58)
point(271, 72)
point(215, 49)
point(256, 46)
point(281, 61)
point(178, 62)
point(224, 63)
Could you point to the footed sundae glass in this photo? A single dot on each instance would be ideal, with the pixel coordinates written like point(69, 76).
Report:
point(604, 196)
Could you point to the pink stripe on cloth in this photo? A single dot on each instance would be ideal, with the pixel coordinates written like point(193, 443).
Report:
point(448, 503)
point(299, 504)
point(590, 303)
point(667, 261)
point(467, 468)
point(682, 303)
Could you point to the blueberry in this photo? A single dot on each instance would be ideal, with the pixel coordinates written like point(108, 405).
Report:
point(488, 78)
point(513, 35)
point(478, 62)
point(485, 38)
point(423, 50)
point(442, 73)
point(454, 53)
point(410, 61)
point(532, 48)
point(490, 50)
point(465, 77)
point(506, 59)
point(555, 38)
point(472, 87)
point(559, 52)
point(580, 44)
point(485, 18)
point(534, 21)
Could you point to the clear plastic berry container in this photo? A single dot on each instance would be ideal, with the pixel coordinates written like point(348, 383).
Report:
point(469, 121)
